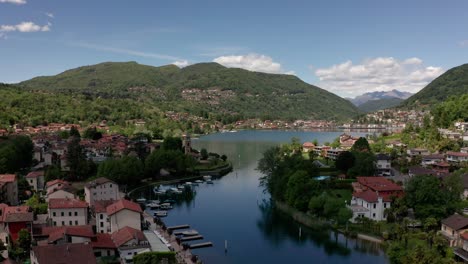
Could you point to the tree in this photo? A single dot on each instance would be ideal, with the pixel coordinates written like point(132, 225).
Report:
point(224, 157)
point(361, 145)
point(345, 161)
point(92, 133)
point(126, 170)
point(204, 154)
point(74, 132)
point(364, 165)
point(155, 257)
point(80, 167)
point(52, 172)
point(172, 143)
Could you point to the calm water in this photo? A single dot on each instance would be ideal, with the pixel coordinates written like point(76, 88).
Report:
point(235, 209)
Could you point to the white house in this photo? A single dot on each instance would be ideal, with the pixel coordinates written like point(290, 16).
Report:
point(429, 160)
point(129, 242)
point(383, 165)
point(100, 214)
point(101, 189)
point(124, 213)
point(67, 211)
point(62, 192)
point(369, 204)
point(456, 156)
point(35, 179)
point(55, 184)
point(64, 253)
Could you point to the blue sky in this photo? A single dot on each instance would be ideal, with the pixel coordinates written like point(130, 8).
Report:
point(347, 47)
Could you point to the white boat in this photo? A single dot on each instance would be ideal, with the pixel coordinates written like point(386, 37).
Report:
point(188, 183)
point(190, 233)
point(209, 182)
point(175, 190)
point(165, 206)
point(181, 187)
point(153, 205)
point(198, 181)
point(141, 200)
point(207, 177)
point(160, 213)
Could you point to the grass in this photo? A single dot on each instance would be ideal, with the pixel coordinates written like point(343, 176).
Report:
point(343, 194)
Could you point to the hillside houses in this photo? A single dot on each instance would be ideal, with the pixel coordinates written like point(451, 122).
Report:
point(9, 189)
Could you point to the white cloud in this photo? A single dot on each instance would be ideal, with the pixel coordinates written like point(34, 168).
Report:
point(17, 2)
point(49, 15)
point(181, 63)
point(126, 51)
point(25, 27)
point(252, 62)
point(377, 74)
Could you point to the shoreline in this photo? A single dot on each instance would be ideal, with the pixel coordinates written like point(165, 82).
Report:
point(308, 221)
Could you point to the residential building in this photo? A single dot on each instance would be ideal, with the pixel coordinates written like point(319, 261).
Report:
point(9, 189)
point(124, 213)
point(68, 212)
point(100, 214)
point(55, 184)
point(101, 189)
point(63, 234)
point(429, 160)
point(129, 242)
point(417, 152)
point(13, 219)
point(104, 246)
point(35, 179)
point(371, 196)
point(383, 165)
point(63, 253)
point(452, 227)
point(418, 170)
point(63, 191)
point(457, 156)
point(347, 141)
point(308, 147)
point(465, 185)
point(462, 252)
point(334, 153)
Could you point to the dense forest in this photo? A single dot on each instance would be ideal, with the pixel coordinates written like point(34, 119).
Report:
point(204, 89)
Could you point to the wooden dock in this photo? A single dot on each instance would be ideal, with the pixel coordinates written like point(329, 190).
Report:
point(178, 227)
point(189, 238)
point(201, 245)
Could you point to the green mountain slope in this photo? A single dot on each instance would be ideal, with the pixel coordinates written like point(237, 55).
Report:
point(454, 82)
point(375, 105)
point(205, 89)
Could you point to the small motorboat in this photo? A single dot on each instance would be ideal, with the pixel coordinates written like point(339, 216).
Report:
point(209, 182)
point(153, 205)
point(190, 233)
point(165, 206)
point(141, 200)
point(160, 213)
point(198, 181)
point(207, 177)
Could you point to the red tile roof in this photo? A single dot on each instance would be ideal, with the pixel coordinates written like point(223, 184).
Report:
point(57, 203)
point(35, 174)
point(50, 183)
point(464, 235)
point(379, 184)
point(65, 253)
point(126, 234)
point(7, 177)
point(457, 154)
point(97, 182)
point(456, 222)
point(101, 205)
point(123, 204)
point(103, 241)
point(371, 196)
point(58, 232)
point(12, 214)
point(308, 145)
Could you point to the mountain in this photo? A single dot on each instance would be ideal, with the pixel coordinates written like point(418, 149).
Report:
point(204, 89)
point(361, 99)
point(453, 82)
point(379, 104)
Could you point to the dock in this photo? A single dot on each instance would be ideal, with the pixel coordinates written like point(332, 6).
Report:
point(201, 245)
point(189, 238)
point(178, 227)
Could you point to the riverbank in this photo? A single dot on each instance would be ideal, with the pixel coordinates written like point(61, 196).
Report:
point(312, 222)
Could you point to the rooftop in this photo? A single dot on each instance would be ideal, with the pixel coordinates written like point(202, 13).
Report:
point(35, 174)
point(456, 222)
point(56, 203)
point(126, 234)
point(123, 204)
point(65, 253)
point(379, 184)
point(97, 182)
point(7, 177)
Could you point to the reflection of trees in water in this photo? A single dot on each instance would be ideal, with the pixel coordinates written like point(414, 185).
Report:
point(186, 197)
point(368, 247)
point(279, 228)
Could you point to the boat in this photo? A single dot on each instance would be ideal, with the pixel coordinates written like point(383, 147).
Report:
point(169, 201)
point(175, 190)
point(141, 200)
point(153, 205)
point(165, 206)
point(160, 213)
point(209, 182)
point(207, 177)
point(190, 233)
point(156, 190)
point(198, 181)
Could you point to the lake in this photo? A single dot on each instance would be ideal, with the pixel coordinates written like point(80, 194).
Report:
point(236, 209)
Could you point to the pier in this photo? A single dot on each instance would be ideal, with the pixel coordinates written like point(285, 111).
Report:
point(178, 227)
point(201, 245)
point(190, 238)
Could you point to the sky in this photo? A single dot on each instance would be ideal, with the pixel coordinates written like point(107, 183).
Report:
point(345, 47)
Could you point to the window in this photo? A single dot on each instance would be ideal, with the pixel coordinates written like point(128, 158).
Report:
point(76, 222)
point(101, 216)
point(102, 224)
point(76, 213)
point(384, 205)
point(62, 213)
point(71, 223)
point(54, 214)
point(63, 223)
point(373, 215)
point(108, 251)
point(55, 223)
point(110, 185)
point(375, 206)
point(69, 213)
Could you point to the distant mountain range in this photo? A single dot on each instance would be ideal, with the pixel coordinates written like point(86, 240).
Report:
point(453, 83)
point(203, 89)
point(361, 99)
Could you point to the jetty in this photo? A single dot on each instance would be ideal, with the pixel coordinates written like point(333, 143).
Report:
point(178, 227)
point(201, 245)
point(190, 238)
